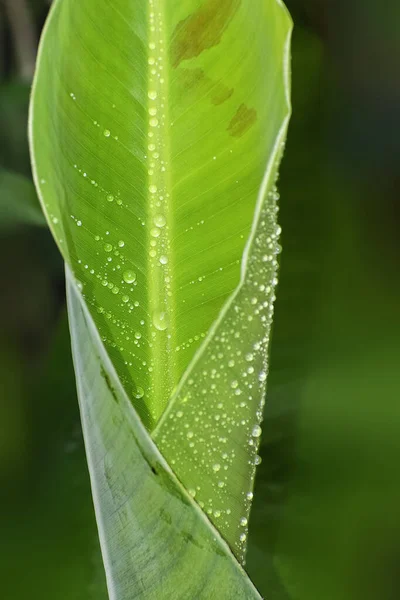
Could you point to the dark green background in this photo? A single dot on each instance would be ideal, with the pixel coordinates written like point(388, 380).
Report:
point(326, 517)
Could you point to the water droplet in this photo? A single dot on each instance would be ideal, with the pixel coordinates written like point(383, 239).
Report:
point(110, 198)
point(121, 243)
point(160, 320)
point(129, 276)
point(256, 431)
point(108, 247)
point(153, 189)
point(216, 467)
point(257, 460)
point(163, 259)
point(153, 122)
point(139, 392)
point(243, 521)
point(262, 376)
point(125, 298)
point(107, 133)
point(155, 232)
point(152, 95)
point(160, 220)
point(189, 435)
point(242, 537)
point(249, 495)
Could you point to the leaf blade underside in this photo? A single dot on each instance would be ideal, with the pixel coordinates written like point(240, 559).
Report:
point(174, 552)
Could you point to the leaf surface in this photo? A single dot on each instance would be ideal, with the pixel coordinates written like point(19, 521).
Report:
point(156, 132)
point(156, 542)
point(152, 128)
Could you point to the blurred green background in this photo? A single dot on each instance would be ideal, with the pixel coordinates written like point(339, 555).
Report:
point(326, 517)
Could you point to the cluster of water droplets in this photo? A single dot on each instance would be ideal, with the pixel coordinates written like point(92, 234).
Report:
point(212, 432)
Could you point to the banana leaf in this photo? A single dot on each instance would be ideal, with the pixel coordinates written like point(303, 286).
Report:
point(156, 133)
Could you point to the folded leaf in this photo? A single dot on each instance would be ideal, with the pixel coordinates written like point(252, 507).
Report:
point(156, 132)
point(156, 542)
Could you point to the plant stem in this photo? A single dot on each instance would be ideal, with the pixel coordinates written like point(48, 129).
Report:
point(24, 37)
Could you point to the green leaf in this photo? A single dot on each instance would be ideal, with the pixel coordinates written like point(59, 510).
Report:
point(174, 552)
point(18, 202)
point(156, 137)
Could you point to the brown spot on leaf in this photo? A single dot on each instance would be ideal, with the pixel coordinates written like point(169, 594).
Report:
point(202, 30)
point(242, 121)
point(192, 78)
point(221, 94)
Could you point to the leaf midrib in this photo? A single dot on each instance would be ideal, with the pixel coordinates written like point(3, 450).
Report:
point(161, 294)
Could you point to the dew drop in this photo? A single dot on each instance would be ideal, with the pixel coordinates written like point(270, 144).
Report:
point(107, 133)
point(160, 320)
point(155, 232)
point(256, 431)
point(163, 259)
point(121, 243)
point(262, 376)
point(152, 189)
point(160, 220)
point(108, 247)
point(129, 276)
point(216, 467)
point(243, 521)
point(152, 95)
point(139, 392)
point(110, 198)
